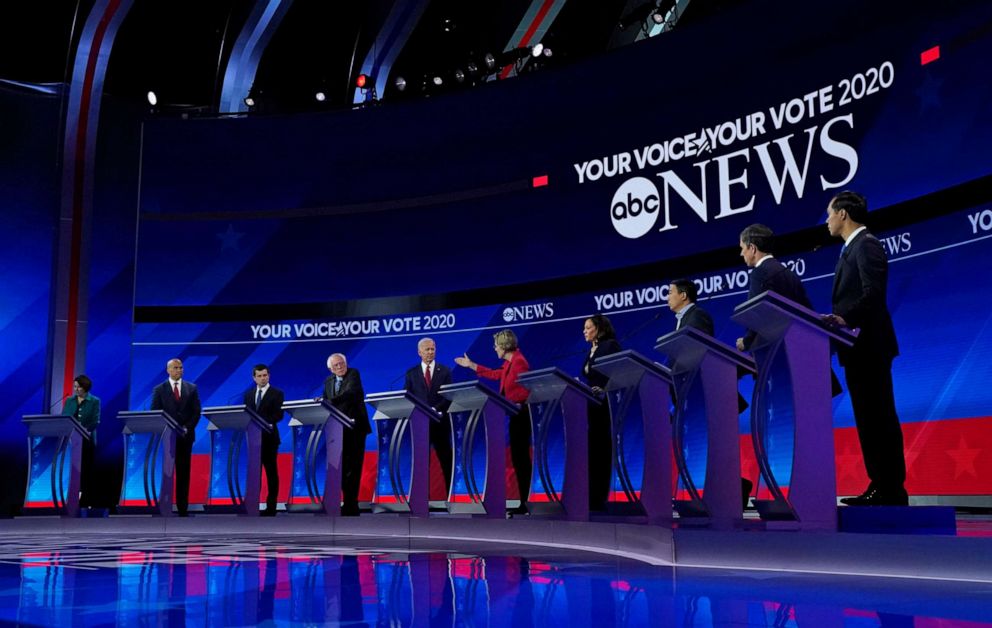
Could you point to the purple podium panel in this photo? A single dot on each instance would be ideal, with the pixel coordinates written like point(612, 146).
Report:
point(149, 461)
point(792, 408)
point(55, 445)
point(235, 451)
point(559, 408)
point(329, 423)
point(405, 490)
point(483, 406)
point(705, 428)
point(638, 382)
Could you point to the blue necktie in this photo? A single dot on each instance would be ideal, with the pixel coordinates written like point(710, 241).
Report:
point(842, 249)
point(258, 398)
point(337, 385)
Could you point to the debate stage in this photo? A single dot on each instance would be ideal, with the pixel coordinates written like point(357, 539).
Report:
point(425, 571)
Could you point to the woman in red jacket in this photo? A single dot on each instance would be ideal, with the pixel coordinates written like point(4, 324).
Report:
point(514, 363)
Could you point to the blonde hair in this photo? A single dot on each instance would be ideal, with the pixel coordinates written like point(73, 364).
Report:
point(505, 340)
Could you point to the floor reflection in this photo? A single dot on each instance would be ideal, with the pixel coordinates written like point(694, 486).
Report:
point(243, 582)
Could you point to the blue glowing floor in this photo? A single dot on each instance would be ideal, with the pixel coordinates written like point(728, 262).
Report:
point(243, 581)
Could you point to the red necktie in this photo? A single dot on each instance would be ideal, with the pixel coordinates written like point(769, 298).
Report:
point(427, 376)
point(175, 391)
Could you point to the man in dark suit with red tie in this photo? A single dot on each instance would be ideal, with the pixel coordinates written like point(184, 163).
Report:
point(266, 401)
point(860, 302)
point(180, 400)
point(423, 382)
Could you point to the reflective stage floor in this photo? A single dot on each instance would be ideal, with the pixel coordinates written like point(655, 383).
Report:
point(199, 577)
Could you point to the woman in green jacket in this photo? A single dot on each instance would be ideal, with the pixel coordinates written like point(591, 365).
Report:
point(85, 407)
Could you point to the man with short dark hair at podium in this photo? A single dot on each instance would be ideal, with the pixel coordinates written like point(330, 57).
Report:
point(859, 302)
point(682, 294)
point(768, 273)
point(423, 381)
point(180, 400)
point(343, 388)
point(266, 401)
point(85, 408)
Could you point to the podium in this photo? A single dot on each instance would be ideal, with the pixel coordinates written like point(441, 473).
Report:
point(401, 479)
point(791, 413)
point(315, 423)
point(235, 455)
point(705, 429)
point(472, 405)
point(55, 446)
point(642, 431)
point(559, 409)
point(149, 461)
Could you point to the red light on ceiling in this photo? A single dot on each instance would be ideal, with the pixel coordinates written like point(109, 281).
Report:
point(541, 181)
point(361, 81)
point(929, 56)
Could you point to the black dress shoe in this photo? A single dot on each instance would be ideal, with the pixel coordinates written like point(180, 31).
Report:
point(268, 512)
point(519, 510)
point(879, 497)
point(858, 500)
point(350, 511)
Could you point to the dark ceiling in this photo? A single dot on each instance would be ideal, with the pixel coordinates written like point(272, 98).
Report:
point(179, 48)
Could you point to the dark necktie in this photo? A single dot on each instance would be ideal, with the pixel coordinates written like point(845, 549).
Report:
point(427, 376)
point(175, 391)
point(258, 399)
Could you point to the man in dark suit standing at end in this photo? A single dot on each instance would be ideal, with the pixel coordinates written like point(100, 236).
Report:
point(180, 400)
point(423, 382)
point(859, 302)
point(266, 401)
point(344, 390)
point(682, 294)
point(768, 274)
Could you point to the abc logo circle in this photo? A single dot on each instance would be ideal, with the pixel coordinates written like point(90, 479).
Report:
point(508, 314)
point(635, 207)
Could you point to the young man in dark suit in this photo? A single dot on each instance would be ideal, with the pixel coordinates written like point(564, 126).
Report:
point(768, 273)
point(344, 390)
point(859, 302)
point(180, 400)
point(682, 294)
point(266, 401)
point(423, 382)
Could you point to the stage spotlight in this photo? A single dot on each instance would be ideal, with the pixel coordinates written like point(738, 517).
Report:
point(490, 61)
point(320, 96)
point(460, 76)
point(152, 99)
point(657, 18)
point(472, 67)
point(448, 25)
point(537, 50)
point(362, 81)
point(438, 81)
point(547, 52)
point(249, 101)
point(664, 8)
point(399, 83)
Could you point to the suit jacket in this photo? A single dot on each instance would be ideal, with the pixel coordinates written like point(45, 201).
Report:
point(350, 399)
point(270, 410)
point(417, 386)
point(776, 276)
point(698, 318)
point(89, 412)
point(594, 377)
point(859, 296)
point(186, 411)
point(507, 375)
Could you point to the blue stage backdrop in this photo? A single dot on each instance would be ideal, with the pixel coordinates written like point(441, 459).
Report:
point(29, 187)
point(657, 150)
